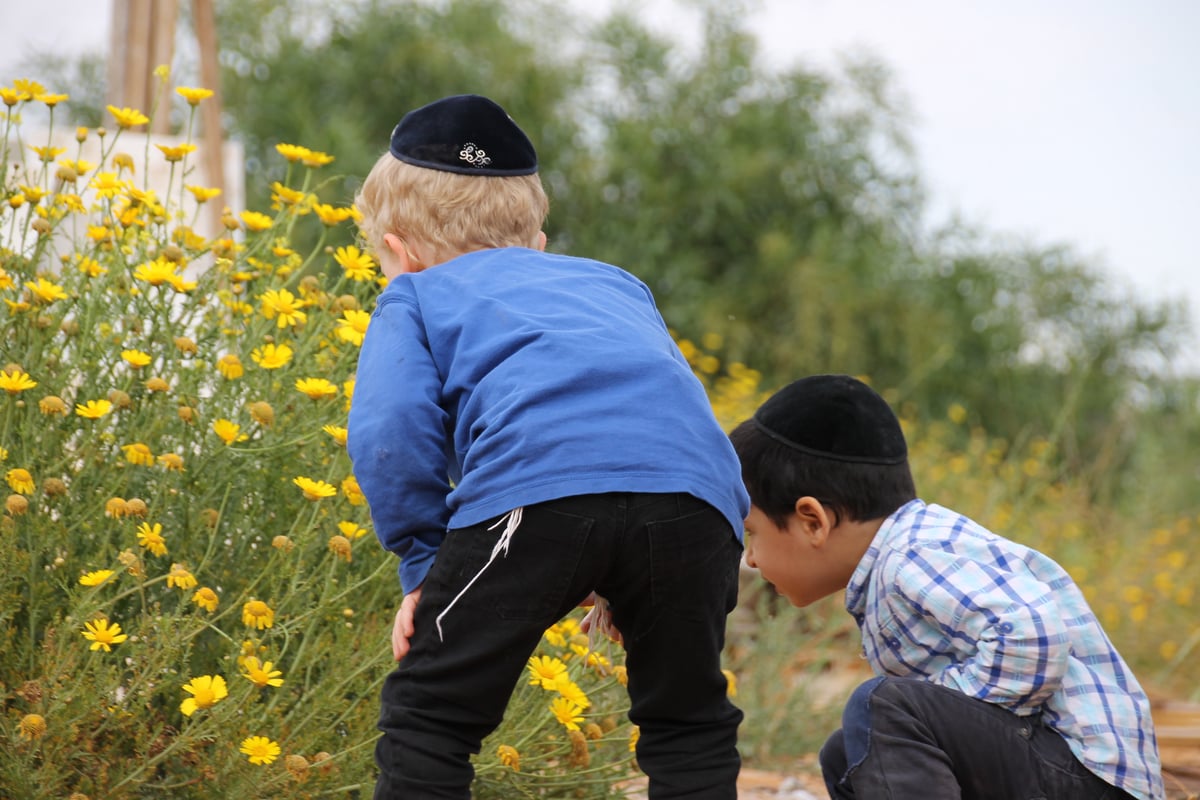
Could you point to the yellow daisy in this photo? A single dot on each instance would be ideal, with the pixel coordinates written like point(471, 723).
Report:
point(16, 381)
point(138, 453)
point(31, 726)
point(351, 530)
point(128, 117)
point(260, 749)
point(150, 536)
point(353, 491)
point(206, 691)
point(203, 193)
point(292, 152)
point(229, 431)
point(45, 291)
point(261, 674)
point(509, 757)
point(271, 356)
point(193, 95)
point(314, 490)
point(358, 266)
point(19, 480)
point(316, 388)
point(174, 153)
point(180, 576)
point(283, 307)
point(206, 598)
point(255, 221)
point(230, 366)
point(103, 635)
point(566, 712)
point(257, 614)
point(338, 433)
point(171, 461)
point(94, 409)
point(95, 578)
point(545, 671)
point(352, 327)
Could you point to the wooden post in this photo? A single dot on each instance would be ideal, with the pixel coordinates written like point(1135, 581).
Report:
point(142, 38)
point(210, 120)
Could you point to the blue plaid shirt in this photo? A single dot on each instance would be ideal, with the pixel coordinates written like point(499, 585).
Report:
point(939, 597)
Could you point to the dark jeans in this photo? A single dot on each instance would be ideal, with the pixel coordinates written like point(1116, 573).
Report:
point(906, 738)
point(668, 565)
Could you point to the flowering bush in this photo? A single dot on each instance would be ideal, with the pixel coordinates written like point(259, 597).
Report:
point(192, 602)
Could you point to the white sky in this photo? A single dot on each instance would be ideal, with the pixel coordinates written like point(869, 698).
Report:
point(1069, 121)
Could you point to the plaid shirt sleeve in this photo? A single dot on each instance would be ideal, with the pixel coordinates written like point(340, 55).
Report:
point(999, 634)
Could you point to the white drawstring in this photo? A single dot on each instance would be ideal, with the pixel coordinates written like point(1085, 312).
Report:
point(513, 518)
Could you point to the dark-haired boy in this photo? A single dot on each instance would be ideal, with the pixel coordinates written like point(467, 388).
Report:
point(995, 679)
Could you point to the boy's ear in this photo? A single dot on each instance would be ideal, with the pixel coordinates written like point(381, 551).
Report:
point(540, 242)
point(399, 249)
point(814, 520)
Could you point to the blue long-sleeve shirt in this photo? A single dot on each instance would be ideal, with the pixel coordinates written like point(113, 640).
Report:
point(508, 377)
point(939, 597)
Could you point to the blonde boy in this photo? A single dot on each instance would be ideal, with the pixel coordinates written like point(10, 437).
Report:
point(527, 434)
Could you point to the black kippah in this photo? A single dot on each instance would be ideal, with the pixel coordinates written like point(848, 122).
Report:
point(835, 417)
point(467, 134)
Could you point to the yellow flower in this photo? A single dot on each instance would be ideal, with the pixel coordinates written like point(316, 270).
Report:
point(91, 267)
point(94, 409)
point(31, 726)
point(230, 366)
point(730, 682)
point(262, 413)
point(128, 117)
point(206, 691)
point(351, 530)
point(16, 505)
point(206, 598)
point(10, 97)
point(316, 388)
point(509, 757)
point(95, 578)
point(254, 221)
point(340, 546)
point(186, 345)
point(634, 735)
point(107, 184)
point(571, 691)
point(151, 538)
point(136, 358)
point(202, 193)
point(283, 307)
point(103, 635)
point(229, 431)
point(271, 356)
point(261, 674)
point(46, 292)
point(567, 713)
point(171, 461)
point(47, 153)
point(156, 384)
point(315, 158)
point(16, 381)
point(193, 95)
point(260, 749)
point(358, 266)
point(353, 491)
point(338, 433)
point(21, 481)
point(116, 507)
point(331, 216)
point(175, 153)
point(28, 88)
point(286, 196)
point(138, 453)
point(257, 614)
point(314, 490)
point(156, 272)
point(622, 674)
point(352, 327)
point(292, 152)
point(51, 100)
point(546, 671)
point(181, 577)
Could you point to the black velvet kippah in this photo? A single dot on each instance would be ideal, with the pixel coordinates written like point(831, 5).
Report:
point(835, 417)
point(467, 134)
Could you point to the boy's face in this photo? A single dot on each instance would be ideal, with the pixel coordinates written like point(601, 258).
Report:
point(794, 558)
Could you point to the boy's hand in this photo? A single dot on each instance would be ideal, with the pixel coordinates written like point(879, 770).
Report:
point(599, 618)
point(402, 630)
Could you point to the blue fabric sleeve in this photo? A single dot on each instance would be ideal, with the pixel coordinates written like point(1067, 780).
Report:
point(397, 437)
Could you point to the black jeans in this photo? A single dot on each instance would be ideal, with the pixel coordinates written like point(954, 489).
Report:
point(906, 738)
point(668, 565)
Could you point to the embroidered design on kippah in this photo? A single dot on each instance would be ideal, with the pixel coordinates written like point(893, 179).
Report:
point(473, 155)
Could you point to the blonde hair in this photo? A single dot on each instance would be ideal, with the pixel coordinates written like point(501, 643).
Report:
point(449, 212)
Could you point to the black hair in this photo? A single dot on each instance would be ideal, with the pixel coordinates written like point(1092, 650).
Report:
point(776, 476)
